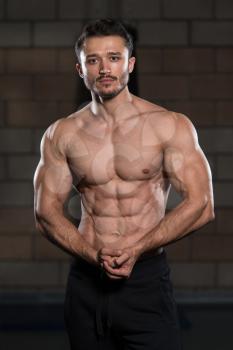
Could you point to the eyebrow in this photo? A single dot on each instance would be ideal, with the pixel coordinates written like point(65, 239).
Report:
point(109, 53)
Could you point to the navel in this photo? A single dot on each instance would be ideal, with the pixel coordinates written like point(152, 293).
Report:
point(117, 233)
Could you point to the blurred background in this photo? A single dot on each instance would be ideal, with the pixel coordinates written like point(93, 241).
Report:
point(185, 63)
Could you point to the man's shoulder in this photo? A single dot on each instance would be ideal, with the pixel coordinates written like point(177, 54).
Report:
point(162, 114)
point(67, 125)
point(145, 106)
point(166, 123)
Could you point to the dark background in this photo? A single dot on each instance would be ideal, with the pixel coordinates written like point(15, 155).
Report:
point(185, 63)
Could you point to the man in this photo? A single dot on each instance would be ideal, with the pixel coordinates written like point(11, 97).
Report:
point(122, 154)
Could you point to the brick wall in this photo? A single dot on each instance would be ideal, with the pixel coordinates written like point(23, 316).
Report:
point(185, 63)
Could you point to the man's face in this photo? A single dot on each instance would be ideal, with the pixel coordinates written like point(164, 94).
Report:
point(105, 65)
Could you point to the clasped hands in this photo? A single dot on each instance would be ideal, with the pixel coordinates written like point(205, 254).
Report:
point(117, 263)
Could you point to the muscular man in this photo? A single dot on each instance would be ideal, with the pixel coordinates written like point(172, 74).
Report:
point(122, 154)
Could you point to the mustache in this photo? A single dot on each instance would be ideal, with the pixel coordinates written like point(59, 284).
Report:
point(106, 77)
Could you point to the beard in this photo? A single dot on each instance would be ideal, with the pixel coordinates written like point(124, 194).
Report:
point(108, 93)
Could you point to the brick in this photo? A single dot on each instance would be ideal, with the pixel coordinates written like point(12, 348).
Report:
point(212, 87)
point(31, 114)
point(201, 113)
point(16, 194)
point(30, 9)
point(83, 9)
point(187, 9)
point(66, 108)
point(31, 60)
point(223, 194)
point(15, 247)
point(45, 250)
point(225, 167)
point(2, 61)
point(100, 9)
point(37, 140)
point(149, 60)
point(1, 8)
point(73, 9)
point(161, 33)
point(57, 87)
point(225, 275)
point(224, 220)
point(15, 87)
point(193, 274)
point(56, 34)
point(179, 250)
point(221, 248)
point(224, 113)
point(14, 34)
point(141, 10)
point(29, 274)
point(224, 58)
point(67, 61)
point(216, 140)
point(2, 113)
point(212, 33)
point(224, 9)
point(207, 229)
point(2, 168)
point(154, 87)
point(22, 167)
point(13, 140)
point(17, 221)
point(188, 60)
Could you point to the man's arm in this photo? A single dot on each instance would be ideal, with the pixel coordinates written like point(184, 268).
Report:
point(189, 173)
point(52, 185)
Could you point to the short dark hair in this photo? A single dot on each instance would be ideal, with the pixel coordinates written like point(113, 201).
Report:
point(104, 27)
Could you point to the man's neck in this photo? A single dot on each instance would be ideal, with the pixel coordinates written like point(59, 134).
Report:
point(107, 109)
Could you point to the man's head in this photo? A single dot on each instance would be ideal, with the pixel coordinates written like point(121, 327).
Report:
point(104, 51)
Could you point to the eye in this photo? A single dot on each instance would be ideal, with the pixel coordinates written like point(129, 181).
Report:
point(114, 58)
point(92, 60)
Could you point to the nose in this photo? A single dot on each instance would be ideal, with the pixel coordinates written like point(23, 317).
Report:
point(104, 68)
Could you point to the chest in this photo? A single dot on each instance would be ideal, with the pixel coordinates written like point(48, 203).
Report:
point(129, 153)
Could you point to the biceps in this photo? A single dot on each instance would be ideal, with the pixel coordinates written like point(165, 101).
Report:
point(52, 185)
point(189, 173)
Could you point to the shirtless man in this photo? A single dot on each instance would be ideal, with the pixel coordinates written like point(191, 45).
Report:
point(122, 154)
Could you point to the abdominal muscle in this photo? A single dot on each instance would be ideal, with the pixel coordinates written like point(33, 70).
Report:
point(120, 222)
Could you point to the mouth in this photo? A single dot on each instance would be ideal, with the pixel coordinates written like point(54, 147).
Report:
point(106, 80)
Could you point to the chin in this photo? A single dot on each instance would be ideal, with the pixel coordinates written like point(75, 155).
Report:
point(109, 94)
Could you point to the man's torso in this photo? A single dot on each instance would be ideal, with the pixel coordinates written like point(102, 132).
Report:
point(118, 169)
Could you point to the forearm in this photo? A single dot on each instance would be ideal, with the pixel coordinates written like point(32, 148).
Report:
point(61, 232)
point(176, 224)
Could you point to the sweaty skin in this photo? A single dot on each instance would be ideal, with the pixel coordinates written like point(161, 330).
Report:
point(122, 154)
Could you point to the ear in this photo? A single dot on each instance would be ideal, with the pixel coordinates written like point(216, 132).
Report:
point(79, 69)
point(132, 61)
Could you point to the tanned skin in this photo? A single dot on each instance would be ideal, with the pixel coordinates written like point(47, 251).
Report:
point(122, 154)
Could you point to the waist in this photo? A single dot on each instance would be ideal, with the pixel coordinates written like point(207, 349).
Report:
point(152, 263)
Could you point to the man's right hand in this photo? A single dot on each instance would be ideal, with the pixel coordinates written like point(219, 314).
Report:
point(117, 263)
point(112, 258)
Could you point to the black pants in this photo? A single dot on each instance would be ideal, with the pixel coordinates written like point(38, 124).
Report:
point(138, 313)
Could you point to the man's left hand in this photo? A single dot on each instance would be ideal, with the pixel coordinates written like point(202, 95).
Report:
point(118, 263)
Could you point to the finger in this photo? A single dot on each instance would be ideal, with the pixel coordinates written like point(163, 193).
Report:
point(108, 259)
point(113, 277)
point(110, 252)
point(122, 259)
point(114, 271)
point(105, 257)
